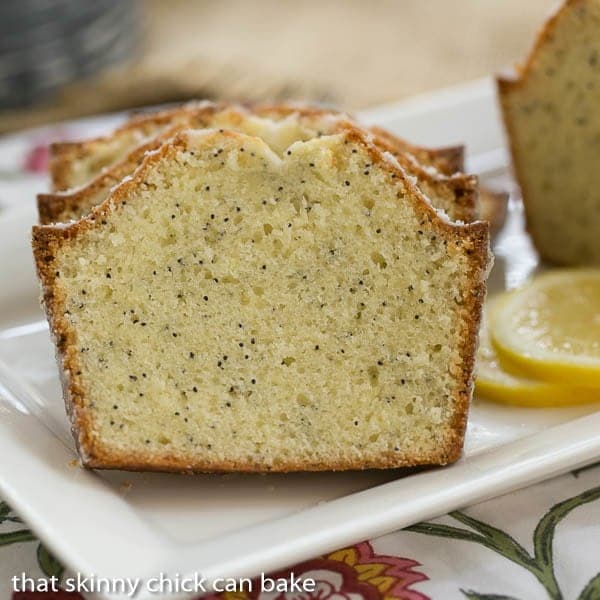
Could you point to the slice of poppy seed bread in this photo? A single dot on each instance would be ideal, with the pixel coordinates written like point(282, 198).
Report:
point(279, 126)
point(228, 309)
point(551, 110)
point(73, 164)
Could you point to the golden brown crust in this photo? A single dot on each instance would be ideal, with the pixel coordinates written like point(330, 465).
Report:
point(479, 248)
point(174, 464)
point(46, 241)
point(472, 239)
point(61, 155)
point(53, 208)
point(447, 160)
point(493, 206)
point(464, 188)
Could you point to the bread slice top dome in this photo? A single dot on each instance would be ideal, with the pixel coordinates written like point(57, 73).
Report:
point(346, 305)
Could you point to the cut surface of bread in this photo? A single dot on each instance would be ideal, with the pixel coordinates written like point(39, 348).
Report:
point(230, 307)
point(279, 125)
point(552, 116)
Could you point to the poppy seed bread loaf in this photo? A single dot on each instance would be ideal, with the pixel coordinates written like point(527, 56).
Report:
point(279, 125)
point(551, 109)
point(229, 307)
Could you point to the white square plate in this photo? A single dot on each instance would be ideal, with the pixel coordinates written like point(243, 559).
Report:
point(115, 524)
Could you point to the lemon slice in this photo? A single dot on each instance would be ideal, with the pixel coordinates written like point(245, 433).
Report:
point(499, 382)
point(551, 327)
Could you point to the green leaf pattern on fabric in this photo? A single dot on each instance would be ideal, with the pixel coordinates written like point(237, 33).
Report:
point(6, 514)
point(541, 565)
point(471, 595)
point(591, 590)
point(48, 564)
point(14, 537)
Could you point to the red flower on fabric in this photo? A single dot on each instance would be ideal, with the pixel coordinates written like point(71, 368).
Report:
point(354, 573)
